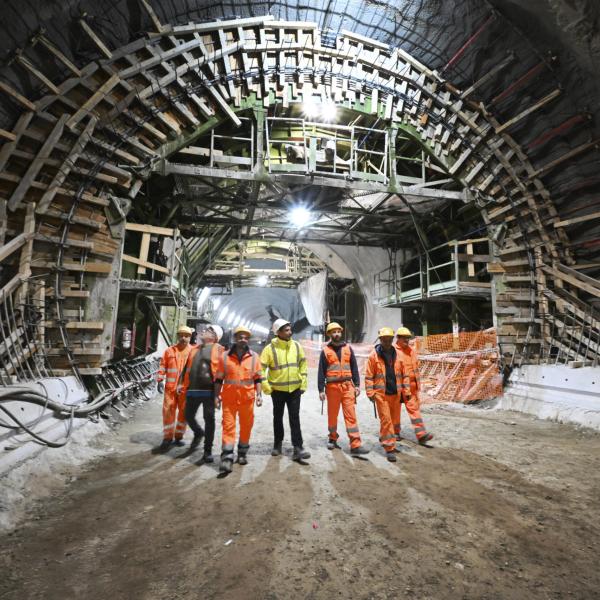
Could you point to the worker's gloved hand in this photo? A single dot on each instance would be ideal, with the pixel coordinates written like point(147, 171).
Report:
point(217, 402)
point(160, 388)
point(258, 400)
point(322, 396)
point(356, 392)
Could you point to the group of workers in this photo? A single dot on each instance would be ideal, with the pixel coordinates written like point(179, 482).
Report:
point(235, 379)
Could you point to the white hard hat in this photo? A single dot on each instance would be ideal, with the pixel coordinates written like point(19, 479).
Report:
point(279, 323)
point(217, 330)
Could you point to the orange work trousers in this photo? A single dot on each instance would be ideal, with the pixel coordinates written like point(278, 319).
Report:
point(342, 394)
point(233, 408)
point(174, 422)
point(414, 412)
point(386, 405)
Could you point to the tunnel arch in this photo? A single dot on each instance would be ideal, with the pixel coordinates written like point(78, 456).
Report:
point(91, 145)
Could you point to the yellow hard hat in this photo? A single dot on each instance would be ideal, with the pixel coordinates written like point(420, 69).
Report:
point(386, 332)
point(404, 332)
point(333, 326)
point(241, 329)
point(185, 329)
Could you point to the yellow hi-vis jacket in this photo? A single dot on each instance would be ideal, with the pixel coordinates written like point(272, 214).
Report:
point(284, 366)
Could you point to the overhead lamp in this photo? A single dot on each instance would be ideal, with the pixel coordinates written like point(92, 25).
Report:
point(329, 111)
point(262, 280)
point(311, 108)
point(299, 216)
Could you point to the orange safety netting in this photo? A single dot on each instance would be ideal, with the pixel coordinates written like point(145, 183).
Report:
point(462, 367)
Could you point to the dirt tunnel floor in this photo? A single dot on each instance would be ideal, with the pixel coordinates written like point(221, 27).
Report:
point(502, 506)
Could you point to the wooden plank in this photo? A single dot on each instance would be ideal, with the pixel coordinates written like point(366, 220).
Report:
point(549, 97)
point(16, 96)
point(58, 54)
point(489, 75)
point(28, 66)
point(144, 248)
point(591, 217)
point(149, 229)
point(548, 167)
point(96, 98)
point(14, 245)
point(8, 135)
point(35, 166)
point(26, 251)
point(470, 265)
point(100, 268)
point(19, 130)
point(67, 165)
point(590, 289)
point(153, 17)
point(149, 265)
point(79, 325)
point(68, 293)
point(99, 43)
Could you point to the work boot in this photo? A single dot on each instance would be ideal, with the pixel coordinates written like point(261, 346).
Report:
point(207, 457)
point(391, 456)
point(398, 437)
point(425, 438)
point(300, 453)
point(332, 444)
point(242, 460)
point(164, 446)
point(276, 449)
point(226, 465)
point(179, 443)
point(360, 451)
point(196, 441)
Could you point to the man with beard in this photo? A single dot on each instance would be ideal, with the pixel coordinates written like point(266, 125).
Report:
point(339, 382)
point(238, 385)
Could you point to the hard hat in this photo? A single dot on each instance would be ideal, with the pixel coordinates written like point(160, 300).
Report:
point(279, 323)
point(333, 326)
point(217, 330)
point(185, 329)
point(241, 329)
point(404, 332)
point(386, 332)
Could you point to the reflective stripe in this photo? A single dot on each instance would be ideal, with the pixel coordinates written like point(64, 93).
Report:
point(387, 437)
point(167, 427)
point(332, 429)
point(337, 379)
point(227, 448)
point(285, 384)
point(172, 370)
point(283, 366)
point(419, 429)
point(171, 378)
point(274, 353)
point(378, 376)
point(378, 387)
point(238, 381)
point(243, 446)
point(352, 430)
point(416, 421)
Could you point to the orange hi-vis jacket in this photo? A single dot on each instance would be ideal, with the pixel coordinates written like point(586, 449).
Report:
point(171, 365)
point(238, 377)
point(215, 354)
point(410, 361)
point(375, 375)
point(337, 371)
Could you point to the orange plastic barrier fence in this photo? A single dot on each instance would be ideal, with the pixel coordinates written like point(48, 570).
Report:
point(461, 367)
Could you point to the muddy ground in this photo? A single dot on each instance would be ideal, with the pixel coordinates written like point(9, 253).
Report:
point(501, 507)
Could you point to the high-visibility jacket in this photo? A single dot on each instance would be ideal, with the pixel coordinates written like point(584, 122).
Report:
point(215, 354)
point(410, 362)
point(284, 366)
point(338, 370)
point(171, 365)
point(238, 376)
point(375, 375)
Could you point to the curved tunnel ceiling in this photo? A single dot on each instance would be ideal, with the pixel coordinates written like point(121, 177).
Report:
point(463, 102)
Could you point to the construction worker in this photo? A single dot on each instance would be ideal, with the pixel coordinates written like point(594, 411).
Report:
point(338, 381)
point(171, 366)
point(238, 386)
point(285, 379)
point(410, 396)
point(384, 381)
point(198, 385)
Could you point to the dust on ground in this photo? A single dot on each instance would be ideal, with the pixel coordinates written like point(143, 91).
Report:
point(502, 506)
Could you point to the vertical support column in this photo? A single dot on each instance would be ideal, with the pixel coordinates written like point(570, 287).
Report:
point(26, 253)
point(392, 135)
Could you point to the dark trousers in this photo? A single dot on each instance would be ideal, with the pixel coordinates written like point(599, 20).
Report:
point(192, 404)
point(292, 400)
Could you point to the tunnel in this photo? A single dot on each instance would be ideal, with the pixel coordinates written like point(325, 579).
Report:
point(416, 164)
